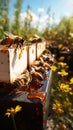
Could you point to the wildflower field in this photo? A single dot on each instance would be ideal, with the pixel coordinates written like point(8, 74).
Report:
point(61, 102)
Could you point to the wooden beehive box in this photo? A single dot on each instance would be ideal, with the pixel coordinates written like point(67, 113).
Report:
point(12, 63)
point(41, 46)
point(31, 53)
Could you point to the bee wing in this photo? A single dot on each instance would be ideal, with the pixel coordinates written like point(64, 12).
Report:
point(10, 35)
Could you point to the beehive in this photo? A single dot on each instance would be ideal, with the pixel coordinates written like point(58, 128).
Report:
point(31, 53)
point(12, 63)
point(41, 46)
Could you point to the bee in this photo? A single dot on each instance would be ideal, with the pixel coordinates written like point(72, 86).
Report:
point(23, 80)
point(12, 40)
point(36, 74)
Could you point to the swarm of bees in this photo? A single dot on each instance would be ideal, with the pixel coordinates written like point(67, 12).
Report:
point(39, 67)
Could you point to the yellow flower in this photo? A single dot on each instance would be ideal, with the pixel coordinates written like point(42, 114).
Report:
point(60, 110)
point(63, 127)
point(68, 38)
point(71, 81)
point(61, 58)
point(18, 108)
point(3, 20)
point(64, 88)
point(62, 64)
point(63, 73)
point(8, 114)
point(54, 68)
point(71, 17)
point(67, 104)
point(57, 107)
point(60, 45)
point(55, 32)
point(13, 111)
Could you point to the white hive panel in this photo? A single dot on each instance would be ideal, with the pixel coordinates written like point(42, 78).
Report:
point(12, 63)
point(32, 54)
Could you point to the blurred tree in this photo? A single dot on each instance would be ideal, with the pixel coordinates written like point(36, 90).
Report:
point(49, 16)
point(71, 24)
point(27, 29)
point(62, 30)
point(28, 17)
point(64, 27)
point(16, 25)
point(4, 17)
point(49, 31)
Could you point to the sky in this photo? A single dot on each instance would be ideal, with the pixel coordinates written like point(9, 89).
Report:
point(58, 9)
